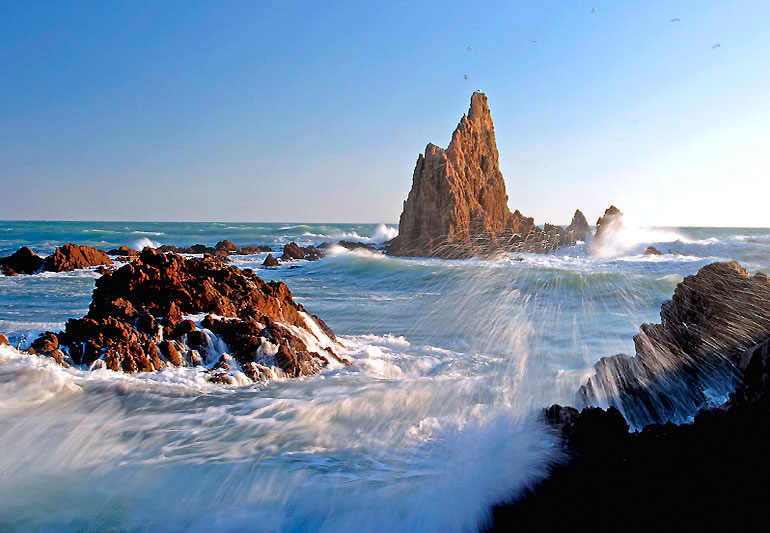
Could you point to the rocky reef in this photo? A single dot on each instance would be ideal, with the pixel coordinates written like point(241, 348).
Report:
point(141, 319)
point(458, 206)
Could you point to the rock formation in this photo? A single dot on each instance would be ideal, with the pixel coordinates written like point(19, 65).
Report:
point(651, 250)
point(270, 261)
point(693, 352)
point(578, 230)
point(136, 323)
point(73, 257)
point(710, 474)
point(607, 226)
point(22, 261)
point(458, 206)
point(292, 251)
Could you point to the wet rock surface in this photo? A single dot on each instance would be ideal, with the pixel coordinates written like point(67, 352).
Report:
point(136, 322)
point(693, 354)
point(710, 474)
point(458, 205)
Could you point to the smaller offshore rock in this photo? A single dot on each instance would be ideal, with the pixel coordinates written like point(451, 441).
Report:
point(225, 246)
point(22, 261)
point(73, 257)
point(292, 252)
point(578, 229)
point(251, 250)
point(607, 226)
point(123, 251)
point(651, 250)
point(270, 261)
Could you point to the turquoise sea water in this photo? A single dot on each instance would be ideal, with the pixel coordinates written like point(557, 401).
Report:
point(433, 422)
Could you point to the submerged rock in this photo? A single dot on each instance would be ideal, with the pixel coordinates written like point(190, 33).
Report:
point(651, 250)
point(135, 322)
point(73, 257)
point(693, 354)
point(22, 261)
point(458, 206)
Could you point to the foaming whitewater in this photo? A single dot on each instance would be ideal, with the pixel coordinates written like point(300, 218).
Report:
point(436, 418)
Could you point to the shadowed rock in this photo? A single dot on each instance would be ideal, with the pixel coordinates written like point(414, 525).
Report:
point(694, 352)
point(22, 261)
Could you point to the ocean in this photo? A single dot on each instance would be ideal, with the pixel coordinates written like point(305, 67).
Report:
point(435, 420)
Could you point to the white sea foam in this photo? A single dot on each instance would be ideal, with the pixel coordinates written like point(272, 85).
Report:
point(144, 242)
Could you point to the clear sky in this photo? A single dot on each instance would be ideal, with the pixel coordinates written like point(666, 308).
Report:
point(316, 111)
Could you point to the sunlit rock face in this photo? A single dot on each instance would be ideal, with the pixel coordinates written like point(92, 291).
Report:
point(458, 205)
point(692, 358)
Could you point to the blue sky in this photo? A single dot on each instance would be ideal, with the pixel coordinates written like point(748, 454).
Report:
point(310, 111)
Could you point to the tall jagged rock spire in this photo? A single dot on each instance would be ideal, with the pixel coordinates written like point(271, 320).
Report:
point(458, 205)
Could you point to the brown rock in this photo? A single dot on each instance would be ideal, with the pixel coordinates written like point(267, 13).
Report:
point(291, 251)
point(74, 257)
point(458, 206)
point(22, 261)
point(578, 228)
point(651, 250)
point(124, 251)
point(225, 246)
point(249, 250)
point(3, 340)
point(270, 261)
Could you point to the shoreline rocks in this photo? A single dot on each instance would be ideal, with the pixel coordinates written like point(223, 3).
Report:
point(136, 323)
point(693, 354)
point(458, 206)
point(708, 474)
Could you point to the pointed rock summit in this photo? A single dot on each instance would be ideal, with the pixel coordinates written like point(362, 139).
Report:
point(458, 205)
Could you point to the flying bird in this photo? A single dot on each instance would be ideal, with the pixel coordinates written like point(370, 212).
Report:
point(470, 48)
point(718, 45)
point(466, 76)
point(535, 42)
point(594, 9)
point(674, 20)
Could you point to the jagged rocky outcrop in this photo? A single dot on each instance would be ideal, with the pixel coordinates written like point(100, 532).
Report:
point(651, 250)
point(292, 252)
point(66, 258)
point(73, 257)
point(693, 355)
point(137, 323)
point(578, 229)
point(458, 206)
point(607, 227)
point(707, 475)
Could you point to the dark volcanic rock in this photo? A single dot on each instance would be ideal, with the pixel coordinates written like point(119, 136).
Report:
point(458, 206)
point(270, 261)
point(74, 257)
point(135, 320)
point(707, 475)
point(22, 261)
point(651, 250)
point(695, 350)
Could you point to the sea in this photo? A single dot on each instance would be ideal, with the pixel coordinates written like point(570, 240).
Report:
point(437, 419)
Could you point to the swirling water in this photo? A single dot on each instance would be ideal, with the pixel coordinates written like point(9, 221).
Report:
point(434, 421)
